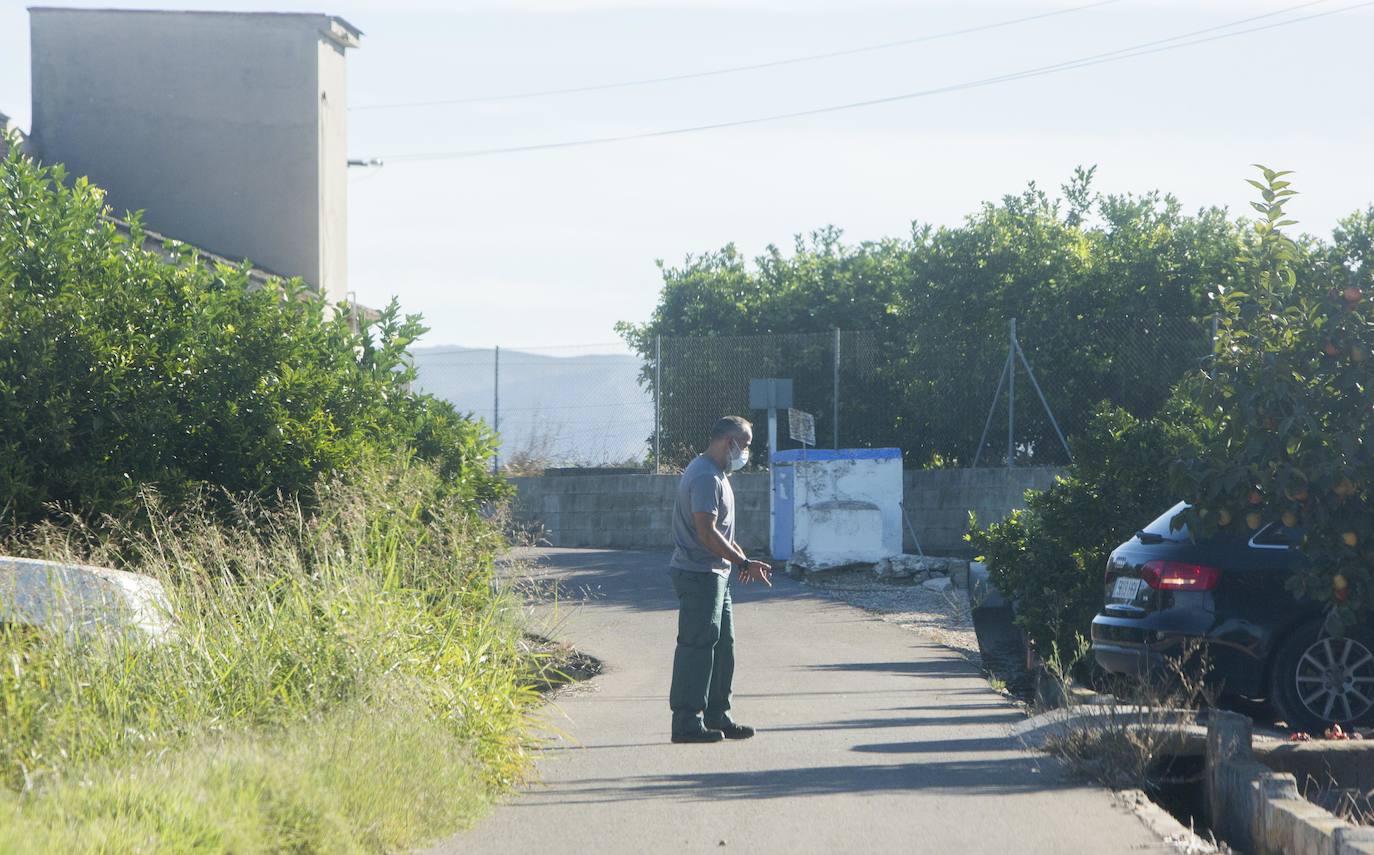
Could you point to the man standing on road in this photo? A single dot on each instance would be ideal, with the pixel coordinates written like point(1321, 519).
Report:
point(704, 532)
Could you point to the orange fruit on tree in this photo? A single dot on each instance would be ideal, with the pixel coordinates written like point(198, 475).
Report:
point(1223, 517)
point(1332, 350)
point(1253, 520)
point(1255, 497)
point(1357, 354)
point(1350, 538)
point(1290, 519)
point(1344, 488)
point(1339, 582)
point(1352, 295)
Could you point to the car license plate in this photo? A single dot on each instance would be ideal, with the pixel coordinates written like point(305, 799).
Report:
point(1126, 589)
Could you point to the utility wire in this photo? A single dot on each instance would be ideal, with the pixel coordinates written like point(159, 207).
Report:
point(734, 69)
point(1143, 49)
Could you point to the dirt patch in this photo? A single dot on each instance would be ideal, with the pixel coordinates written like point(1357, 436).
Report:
point(559, 665)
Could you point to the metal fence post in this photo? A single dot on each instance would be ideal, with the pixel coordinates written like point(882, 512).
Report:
point(658, 406)
point(1035, 384)
point(835, 398)
point(496, 409)
point(1011, 402)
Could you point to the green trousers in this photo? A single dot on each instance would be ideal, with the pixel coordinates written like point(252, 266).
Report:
point(704, 663)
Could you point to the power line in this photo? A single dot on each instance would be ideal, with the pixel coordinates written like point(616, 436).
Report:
point(539, 352)
point(1130, 52)
point(734, 69)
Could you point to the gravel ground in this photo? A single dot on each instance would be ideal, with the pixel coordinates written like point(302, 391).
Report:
point(942, 617)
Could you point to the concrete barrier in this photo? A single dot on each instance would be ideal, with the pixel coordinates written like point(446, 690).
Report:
point(1261, 811)
point(634, 511)
point(1323, 763)
point(81, 600)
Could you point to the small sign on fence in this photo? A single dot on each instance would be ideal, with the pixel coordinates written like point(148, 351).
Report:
point(801, 426)
point(766, 393)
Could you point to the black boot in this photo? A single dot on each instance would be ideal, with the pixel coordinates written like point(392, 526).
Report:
point(700, 735)
point(730, 729)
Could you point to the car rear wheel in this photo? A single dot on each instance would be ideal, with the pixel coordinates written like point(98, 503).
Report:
point(1319, 680)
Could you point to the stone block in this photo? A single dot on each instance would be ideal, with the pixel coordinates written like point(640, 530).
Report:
point(81, 600)
point(1298, 827)
point(912, 566)
point(939, 584)
point(1355, 840)
point(897, 567)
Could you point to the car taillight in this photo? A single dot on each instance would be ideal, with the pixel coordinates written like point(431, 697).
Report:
point(1179, 576)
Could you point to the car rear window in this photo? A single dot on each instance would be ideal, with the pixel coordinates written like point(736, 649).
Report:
point(1161, 526)
point(1278, 534)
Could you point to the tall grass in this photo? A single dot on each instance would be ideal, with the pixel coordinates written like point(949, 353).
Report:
point(291, 628)
point(363, 780)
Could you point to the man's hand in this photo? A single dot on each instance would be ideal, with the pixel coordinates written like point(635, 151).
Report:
point(756, 570)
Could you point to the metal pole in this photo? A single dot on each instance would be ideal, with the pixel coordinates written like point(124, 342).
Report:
point(772, 485)
point(658, 398)
point(992, 411)
point(1011, 399)
point(835, 398)
point(1053, 421)
point(496, 410)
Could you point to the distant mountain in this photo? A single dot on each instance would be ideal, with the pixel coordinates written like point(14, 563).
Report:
point(585, 410)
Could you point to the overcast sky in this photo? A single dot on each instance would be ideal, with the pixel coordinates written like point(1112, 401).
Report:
point(553, 247)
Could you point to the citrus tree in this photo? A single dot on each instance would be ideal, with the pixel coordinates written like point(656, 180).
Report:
point(1108, 291)
point(121, 370)
point(1287, 408)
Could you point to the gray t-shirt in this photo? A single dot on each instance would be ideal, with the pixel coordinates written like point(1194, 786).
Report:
point(703, 489)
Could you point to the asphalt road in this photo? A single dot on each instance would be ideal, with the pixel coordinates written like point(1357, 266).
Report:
point(870, 740)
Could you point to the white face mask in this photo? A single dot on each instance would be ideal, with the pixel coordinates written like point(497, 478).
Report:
point(739, 458)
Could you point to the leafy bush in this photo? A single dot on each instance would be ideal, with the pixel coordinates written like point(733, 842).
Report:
point(1287, 406)
point(1050, 557)
point(120, 370)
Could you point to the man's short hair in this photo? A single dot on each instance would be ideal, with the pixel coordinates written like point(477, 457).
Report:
point(731, 426)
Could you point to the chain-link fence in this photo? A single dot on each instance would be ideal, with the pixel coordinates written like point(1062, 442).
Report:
point(552, 406)
point(986, 394)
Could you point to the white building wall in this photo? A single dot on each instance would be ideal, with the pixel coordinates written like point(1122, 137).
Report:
point(211, 123)
point(333, 167)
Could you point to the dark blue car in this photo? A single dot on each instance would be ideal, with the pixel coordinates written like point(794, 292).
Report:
point(1165, 591)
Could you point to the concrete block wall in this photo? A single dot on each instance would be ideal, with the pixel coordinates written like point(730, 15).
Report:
point(635, 511)
point(937, 501)
point(626, 511)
